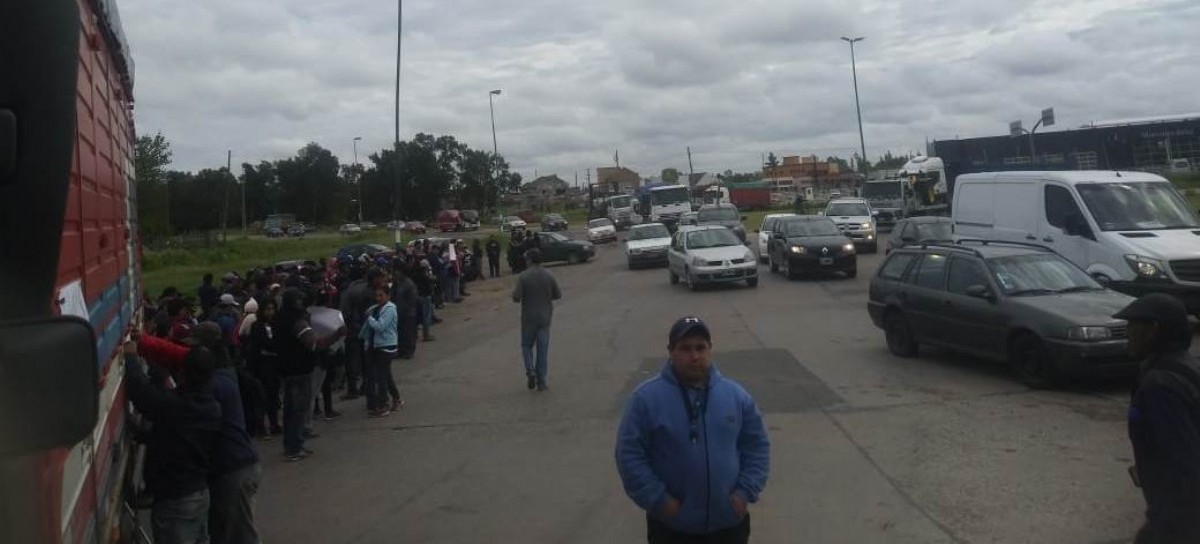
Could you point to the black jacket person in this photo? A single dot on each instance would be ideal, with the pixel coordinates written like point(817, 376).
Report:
point(1164, 419)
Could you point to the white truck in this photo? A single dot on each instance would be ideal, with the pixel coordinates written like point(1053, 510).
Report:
point(619, 210)
point(666, 203)
point(921, 188)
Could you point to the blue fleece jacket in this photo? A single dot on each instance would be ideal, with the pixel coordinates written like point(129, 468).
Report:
point(381, 331)
point(657, 456)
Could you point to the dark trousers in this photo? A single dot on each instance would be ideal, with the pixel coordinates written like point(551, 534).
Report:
point(333, 363)
point(382, 384)
point(657, 532)
point(408, 333)
point(297, 403)
point(231, 516)
point(355, 360)
point(494, 267)
point(272, 388)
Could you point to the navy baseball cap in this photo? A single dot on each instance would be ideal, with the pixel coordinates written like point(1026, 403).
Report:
point(688, 326)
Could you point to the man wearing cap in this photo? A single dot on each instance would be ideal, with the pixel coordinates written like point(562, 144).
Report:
point(536, 291)
point(225, 315)
point(1164, 419)
point(692, 450)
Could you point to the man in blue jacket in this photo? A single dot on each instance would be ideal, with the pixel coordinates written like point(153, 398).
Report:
point(692, 450)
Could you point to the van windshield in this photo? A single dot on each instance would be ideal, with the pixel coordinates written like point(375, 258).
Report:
point(1137, 206)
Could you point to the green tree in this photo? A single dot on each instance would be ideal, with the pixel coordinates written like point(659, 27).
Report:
point(262, 190)
point(310, 186)
point(670, 175)
point(772, 160)
point(842, 164)
point(151, 155)
point(890, 162)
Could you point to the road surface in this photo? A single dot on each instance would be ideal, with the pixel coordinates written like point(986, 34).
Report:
point(865, 447)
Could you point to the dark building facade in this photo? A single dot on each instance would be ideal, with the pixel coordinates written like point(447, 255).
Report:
point(1155, 145)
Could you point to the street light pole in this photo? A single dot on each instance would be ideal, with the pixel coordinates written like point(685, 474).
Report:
point(358, 179)
point(854, 70)
point(495, 147)
point(396, 136)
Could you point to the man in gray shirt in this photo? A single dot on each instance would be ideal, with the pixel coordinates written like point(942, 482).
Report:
point(536, 291)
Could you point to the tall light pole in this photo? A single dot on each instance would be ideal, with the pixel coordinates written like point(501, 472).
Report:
point(495, 148)
point(1015, 129)
point(358, 179)
point(396, 137)
point(857, 107)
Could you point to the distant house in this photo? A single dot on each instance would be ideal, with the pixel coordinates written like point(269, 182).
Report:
point(612, 180)
point(546, 186)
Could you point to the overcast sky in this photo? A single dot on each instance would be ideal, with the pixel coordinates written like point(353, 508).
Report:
point(581, 79)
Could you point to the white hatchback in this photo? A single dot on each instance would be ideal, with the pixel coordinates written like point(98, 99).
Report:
point(764, 232)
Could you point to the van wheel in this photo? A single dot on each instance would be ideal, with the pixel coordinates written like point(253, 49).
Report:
point(899, 335)
point(752, 282)
point(1028, 357)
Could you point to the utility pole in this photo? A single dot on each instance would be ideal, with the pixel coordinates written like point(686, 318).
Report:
point(358, 179)
point(396, 136)
point(690, 169)
point(857, 108)
point(495, 149)
point(225, 209)
point(243, 184)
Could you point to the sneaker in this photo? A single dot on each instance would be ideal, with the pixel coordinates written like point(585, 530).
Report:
point(530, 381)
point(332, 415)
point(542, 387)
point(381, 413)
point(437, 319)
point(294, 457)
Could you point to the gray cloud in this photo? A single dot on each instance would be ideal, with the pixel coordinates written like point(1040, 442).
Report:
point(733, 81)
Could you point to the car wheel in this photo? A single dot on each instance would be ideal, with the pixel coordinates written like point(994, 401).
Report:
point(691, 282)
point(787, 270)
point(574, 258)
point(752, 282)
point(774, 265)
point(674, 277)
point(899, 335)
point(1029, 358)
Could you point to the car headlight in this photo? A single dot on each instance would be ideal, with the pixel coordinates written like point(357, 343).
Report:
point(749, 256)
point(1089, 334)
point(866, 225)
point(798, 250)
point(848, 248)
point(698, 261)
point(1146, 267)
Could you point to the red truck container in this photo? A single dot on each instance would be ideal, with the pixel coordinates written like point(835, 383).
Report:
point(69, 240)
point(750, 196)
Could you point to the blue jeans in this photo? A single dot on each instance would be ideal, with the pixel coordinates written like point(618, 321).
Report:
point(540, 336)
point(297, 404)
point(182, 520)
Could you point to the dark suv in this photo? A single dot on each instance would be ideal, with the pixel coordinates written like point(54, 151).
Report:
point(1017, 303)
point(810, 243)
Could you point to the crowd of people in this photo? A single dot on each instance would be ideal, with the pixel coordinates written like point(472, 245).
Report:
point(261, 355)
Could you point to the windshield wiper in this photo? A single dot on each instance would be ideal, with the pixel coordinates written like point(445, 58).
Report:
point(1035, 291)
point(1078, 288)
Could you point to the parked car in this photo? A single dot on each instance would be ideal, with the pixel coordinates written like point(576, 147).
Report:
point(810, 243)
point(556, 246)
point(552, 222)
point(1009, 302)
point(725, 215)
point(647, 245)
point(297, 230)
point(510, 223)
point(349, 229)
point(913, 230)
point(449, 221)
point(415, 227)
point(854, 217)
point(354, 251)
point(710, 254)
point(601, 230)
point(274, 232)
point(1132, 231)
point(367, 226)
point(764, 232)
point(293, 266)
point(470, 219)
point(437, 241)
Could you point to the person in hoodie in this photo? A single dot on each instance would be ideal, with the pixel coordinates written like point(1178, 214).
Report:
point(179, 449)
point(1164, 419)
point(380, 335)
point(692, 450)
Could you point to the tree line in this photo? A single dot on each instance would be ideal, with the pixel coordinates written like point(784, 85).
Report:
point(413, 180)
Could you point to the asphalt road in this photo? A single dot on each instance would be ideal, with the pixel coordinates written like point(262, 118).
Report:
point(865, 447)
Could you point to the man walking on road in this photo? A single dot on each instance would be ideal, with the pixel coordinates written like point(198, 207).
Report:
point(1164, 419)
point(536, 291)
point(493, 256)
point(692, 450)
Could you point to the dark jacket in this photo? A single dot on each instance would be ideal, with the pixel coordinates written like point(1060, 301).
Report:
point(404, 294)
point(424, 283)
point(234, 449)
point(493, 250)
point(295, 358)
point(354, 303)
point(1164, 428)
point(186, 428)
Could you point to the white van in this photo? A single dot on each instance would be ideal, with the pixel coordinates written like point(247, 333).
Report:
point(1131, 230)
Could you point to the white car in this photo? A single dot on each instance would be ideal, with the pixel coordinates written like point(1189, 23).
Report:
point(602, 230)
point(350, 229)
point(647, 244)
point(854, 218)
point(710, 254)
point(510, 223)
point(764, 232)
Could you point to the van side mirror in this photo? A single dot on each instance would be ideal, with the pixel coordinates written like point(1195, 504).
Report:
point(979, 291)
point(51, 364)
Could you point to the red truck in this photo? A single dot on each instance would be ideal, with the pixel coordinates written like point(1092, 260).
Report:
point(69, 254)
point(750, 196)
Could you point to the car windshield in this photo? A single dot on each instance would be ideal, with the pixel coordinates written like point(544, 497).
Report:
point(718, 214)
point(620, 201)
point(648, 232)
point(1040, 273)
point(1137, 206)
point(842, 209)
point(558, 236)
point(702, 239)
point(941, 230)
point(554, 217)
point(600, 223)
point(810, 228)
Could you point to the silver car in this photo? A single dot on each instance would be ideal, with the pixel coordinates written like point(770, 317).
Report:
point(647, 245)
point(710, 254)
